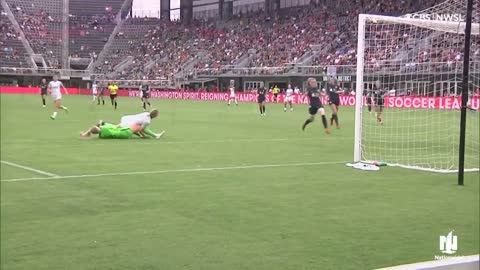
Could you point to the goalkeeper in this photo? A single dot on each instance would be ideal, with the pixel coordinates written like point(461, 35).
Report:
point(109, 131)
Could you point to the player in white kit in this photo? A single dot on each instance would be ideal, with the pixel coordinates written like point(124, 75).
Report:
point(54, 87)
point(288, 98)
point(232, 93)
point(94, 91)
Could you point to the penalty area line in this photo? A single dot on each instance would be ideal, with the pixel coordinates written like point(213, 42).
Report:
point(28, 168)
point(243, 167)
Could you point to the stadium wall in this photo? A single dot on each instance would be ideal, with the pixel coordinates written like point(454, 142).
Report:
point(415, 102)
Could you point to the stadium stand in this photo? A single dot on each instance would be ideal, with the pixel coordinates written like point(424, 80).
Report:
point(148, 48)
point(12, 52)
point(90, 25)
point(40, 20)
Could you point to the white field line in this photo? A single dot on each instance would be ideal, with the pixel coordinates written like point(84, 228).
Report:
point(174, 171)
point(163, 141)
point(28, 168)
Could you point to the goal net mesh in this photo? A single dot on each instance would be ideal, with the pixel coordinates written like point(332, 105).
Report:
point(416, 63)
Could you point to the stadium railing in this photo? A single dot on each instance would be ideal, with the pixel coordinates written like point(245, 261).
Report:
point(46, 72)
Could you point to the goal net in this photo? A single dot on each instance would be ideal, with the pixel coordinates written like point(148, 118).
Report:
point(414, 64)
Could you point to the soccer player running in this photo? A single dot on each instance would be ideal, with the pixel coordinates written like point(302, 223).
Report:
point(315, 104)
point(232, 93)
point(334, 101)
point(288, 99)
point(113, 89)
point(44, 91)
point(261, 99)
point(100, 94)
point(145, 92)
point(94, 91)
point(54, 87)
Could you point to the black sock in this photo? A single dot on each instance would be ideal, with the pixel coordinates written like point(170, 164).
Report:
point(261, 109)
point(324, 121)
point(103, 101)
point(149, 104)
point(43, 101)
point(264, 108)
point(115, 105)
point(308, 121)
point(144, 106)
point(335, 117)
point(369, 108)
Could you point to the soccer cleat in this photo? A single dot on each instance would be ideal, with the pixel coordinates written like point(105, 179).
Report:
point(331, 122)
point(304, 126)
point(52, 117)
point(285, 109)
point(44, 106)
point(327, 131)
point(65, 109)
point(291, 109)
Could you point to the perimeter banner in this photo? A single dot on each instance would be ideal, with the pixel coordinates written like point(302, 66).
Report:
point(417, 102)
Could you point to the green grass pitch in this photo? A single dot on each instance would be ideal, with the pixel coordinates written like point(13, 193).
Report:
point(306, 214)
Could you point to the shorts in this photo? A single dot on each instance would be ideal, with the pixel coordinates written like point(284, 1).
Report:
point(56, 97)
point(112, 96)
point(94, 92)
point(43, 93)
point(101, 92)
point(113, 132)
point(314, 109)
point(146, 95)
point(261, 99)
point(334, 102)
point(289, 99)
point(275, 95)
point(232, 96)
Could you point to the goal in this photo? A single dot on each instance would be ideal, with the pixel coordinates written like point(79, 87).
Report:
point(414, 63)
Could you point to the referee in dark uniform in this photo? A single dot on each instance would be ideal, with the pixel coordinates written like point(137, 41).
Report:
point(316, 106)
point(43, 91)
point(333, 100)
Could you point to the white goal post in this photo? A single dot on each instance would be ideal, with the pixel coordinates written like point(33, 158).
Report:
point(415, 66)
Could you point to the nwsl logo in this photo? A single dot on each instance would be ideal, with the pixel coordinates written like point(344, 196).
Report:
point(448, 244)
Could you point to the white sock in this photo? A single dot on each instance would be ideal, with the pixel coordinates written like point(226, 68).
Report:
point(94, 97)
point(229, 101)
point(236, 102)
point(54, 114)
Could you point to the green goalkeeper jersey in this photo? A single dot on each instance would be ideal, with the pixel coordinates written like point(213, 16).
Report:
point(114, 132)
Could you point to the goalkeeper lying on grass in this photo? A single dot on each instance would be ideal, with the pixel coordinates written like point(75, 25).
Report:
point(137, 124)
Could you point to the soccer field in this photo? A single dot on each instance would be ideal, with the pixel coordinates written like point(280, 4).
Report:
point(224, 189)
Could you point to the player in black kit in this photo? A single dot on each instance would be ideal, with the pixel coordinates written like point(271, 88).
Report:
point(369, 100)
point(145, 88)
point(334, 101)
point(261, 99)
point(379, 101)
point(315, 104)
point(43, 91)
